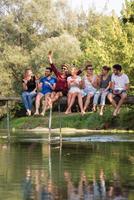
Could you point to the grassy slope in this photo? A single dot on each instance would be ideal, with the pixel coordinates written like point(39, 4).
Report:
point(75, 120)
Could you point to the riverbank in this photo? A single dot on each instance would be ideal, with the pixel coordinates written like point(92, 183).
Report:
point(75, 122)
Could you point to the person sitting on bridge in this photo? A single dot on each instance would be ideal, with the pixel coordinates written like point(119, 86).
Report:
point(46, 86)
point(104, 82)
point(61, 88)
point(120, 85)
point(74, 85)
point(89, 84)
point(30, 90)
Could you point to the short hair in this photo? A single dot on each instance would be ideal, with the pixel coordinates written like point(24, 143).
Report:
point(106, 68)
point(28, 69)
point(117, 67)
point(64, 66)
point(89, 65)
point(49, 68)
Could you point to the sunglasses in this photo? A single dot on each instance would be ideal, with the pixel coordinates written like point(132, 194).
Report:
point(63, 68)
point(90, 69)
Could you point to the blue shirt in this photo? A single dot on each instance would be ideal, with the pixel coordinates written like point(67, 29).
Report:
point(45, 87)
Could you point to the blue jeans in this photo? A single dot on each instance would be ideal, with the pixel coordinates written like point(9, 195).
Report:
point(27, 99)
point(102, 96)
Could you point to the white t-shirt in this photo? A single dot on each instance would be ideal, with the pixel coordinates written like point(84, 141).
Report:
point(120, 81)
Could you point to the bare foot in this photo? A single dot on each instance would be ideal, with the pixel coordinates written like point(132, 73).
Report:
point(28, 113)
point(115, 113)
point(82, 112)
point(101, 113)
point(42, 114)
point(36, 113)
point(118, 111)
point(67, 112)
point(94, 109)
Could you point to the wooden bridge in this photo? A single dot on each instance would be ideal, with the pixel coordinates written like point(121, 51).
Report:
point(60, 105)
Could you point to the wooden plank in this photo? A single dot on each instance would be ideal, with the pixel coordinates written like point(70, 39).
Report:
point(63, 100)
point(10, 98)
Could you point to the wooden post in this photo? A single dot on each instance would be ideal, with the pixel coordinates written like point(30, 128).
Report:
point(8, 120)
point(59, 117)
point(50, 125)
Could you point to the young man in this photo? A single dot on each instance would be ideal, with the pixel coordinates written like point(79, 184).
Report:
point(120, 85)
point(46, 86)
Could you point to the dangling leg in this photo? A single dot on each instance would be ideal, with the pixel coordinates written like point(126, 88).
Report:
point(112, 101)
point(56, 96)
point(123, 97)
point(95, 100)
point(30, 100)
point(47, 103)
point(69, 97)
point(72, 100)
point(37, 103)
point(103, 101)
point(80, 102)
point(87, 101)
point(25, 102)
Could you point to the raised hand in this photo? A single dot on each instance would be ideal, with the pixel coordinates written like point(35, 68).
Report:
point(50, 57)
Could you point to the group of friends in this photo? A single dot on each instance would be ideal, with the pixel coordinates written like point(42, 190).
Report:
point(68, 82)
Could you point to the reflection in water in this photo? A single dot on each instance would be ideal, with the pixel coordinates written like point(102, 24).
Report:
point(93, 190)
point(93, 171)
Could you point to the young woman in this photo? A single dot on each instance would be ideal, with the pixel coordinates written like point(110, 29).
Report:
point(89, 83)
point(74, 85)
point(104, 86)
point(29, 90)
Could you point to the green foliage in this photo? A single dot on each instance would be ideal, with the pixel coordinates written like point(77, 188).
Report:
point(29, 29)
point(90, 120)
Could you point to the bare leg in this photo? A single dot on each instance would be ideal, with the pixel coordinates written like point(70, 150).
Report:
point(87, 101)
point(103, 101)
point(94, 107)
point(80, 102)
point(101, 110)
point(123, 97)
point(95, 100)
point(37, 103)
point(69, 99)
point(112, 101)
point(56, 96)
point(71, 103)
point(46, 103)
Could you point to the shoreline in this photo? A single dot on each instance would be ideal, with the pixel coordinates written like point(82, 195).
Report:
point(40, 130)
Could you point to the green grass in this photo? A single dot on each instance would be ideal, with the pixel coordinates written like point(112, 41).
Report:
point(89, 121)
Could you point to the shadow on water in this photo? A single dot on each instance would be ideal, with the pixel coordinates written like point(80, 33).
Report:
point(77, 169)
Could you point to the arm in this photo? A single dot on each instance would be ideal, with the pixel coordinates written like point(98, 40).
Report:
point(127, 83)
point(80, 71)
point(82, 84)
point(127, 87)
point(39, 84)
point(96, 82)
point(108, 87)
point(52, 86)
point(72, 82)
point(24, 84)
point(53, 67)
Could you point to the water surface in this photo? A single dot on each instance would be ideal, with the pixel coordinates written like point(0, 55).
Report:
point(79, 169)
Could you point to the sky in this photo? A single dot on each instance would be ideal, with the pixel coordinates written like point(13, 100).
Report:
point(115, 5)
